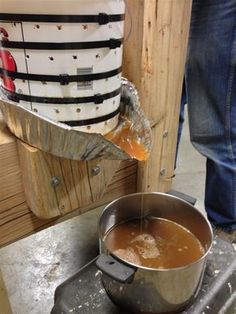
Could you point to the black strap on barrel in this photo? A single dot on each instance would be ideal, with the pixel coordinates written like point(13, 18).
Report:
point(97, 99)
point(63, 79)
point(93, 120)
point(101, 18)
point(112, 43)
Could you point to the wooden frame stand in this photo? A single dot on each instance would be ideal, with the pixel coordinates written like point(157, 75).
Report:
point(36, 188)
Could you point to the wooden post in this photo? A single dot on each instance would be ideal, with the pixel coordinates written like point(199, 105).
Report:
point(78, 184)
point(154, 60)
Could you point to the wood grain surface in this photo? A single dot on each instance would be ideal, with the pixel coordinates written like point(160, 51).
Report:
point(16, 218)
point(154, 59)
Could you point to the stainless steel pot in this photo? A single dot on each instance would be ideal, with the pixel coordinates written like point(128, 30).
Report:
point(145, 290)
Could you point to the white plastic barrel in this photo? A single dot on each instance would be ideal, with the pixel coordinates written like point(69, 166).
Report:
point(62, 59)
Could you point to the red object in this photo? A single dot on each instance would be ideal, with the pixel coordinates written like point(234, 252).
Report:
point(8, 63)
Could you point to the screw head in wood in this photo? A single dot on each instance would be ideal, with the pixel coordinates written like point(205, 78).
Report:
point(165, 134)
point(96, 170)
point(163, 172)
point(55, 181)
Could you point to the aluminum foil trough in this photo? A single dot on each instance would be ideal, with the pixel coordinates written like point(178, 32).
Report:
point(63, 141)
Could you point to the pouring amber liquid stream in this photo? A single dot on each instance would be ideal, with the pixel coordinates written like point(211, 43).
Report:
point(128, 140)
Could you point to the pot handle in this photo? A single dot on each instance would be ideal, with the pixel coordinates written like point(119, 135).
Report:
point(187, 198)
point(115, 269)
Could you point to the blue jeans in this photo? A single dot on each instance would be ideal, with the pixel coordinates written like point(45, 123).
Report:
point(210, 87)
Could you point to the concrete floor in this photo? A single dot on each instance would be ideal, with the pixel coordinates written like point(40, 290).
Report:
point(35, 266)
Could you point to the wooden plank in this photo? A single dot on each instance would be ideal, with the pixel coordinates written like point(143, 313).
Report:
point(178, 35)
point(5, 307)
point(9, 160)
point(105, 172)
point(11, 187)
point(158, 44)
point(17, 221)
point(78, 185)
point(11, 184)
point(10, 202)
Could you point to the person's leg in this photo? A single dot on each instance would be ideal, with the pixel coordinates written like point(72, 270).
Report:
point(211, 93)
point(181, 115)
point(181, 121)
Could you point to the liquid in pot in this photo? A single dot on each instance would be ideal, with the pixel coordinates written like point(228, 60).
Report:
point(156, 243)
